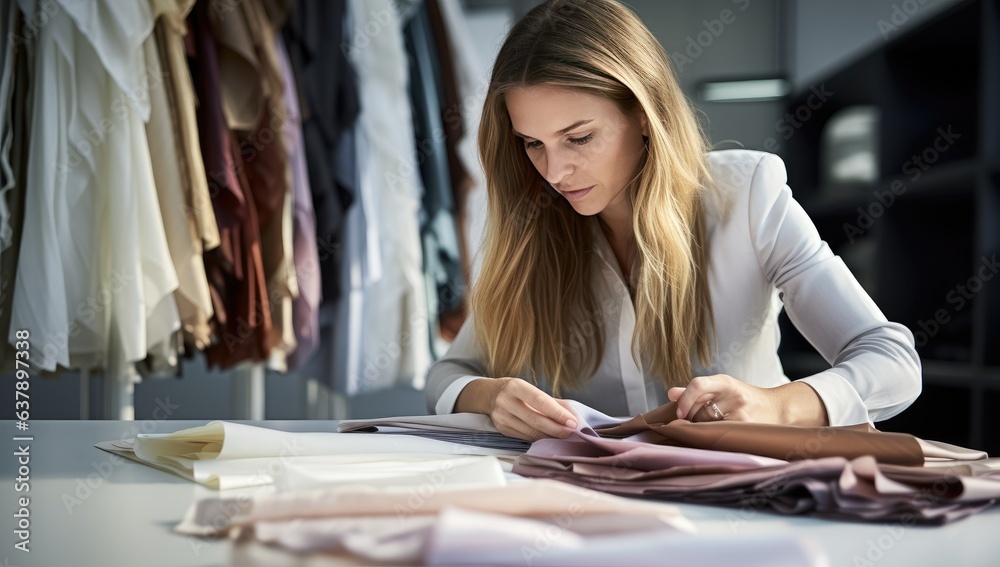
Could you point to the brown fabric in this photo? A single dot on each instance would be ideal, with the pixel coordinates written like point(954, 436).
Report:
point(776, 441)
point(252, 90)
point(242, 320)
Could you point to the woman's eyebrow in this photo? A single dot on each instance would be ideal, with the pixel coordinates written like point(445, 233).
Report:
point(561, 132)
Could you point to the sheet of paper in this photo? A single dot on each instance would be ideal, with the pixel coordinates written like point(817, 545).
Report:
point(226, 455)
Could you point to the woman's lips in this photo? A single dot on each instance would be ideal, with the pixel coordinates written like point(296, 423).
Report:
point(577, 195)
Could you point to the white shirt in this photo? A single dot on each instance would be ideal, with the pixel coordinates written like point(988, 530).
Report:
point(764, 251)
point(396, 338)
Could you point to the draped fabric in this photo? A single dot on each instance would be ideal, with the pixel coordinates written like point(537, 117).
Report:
point(849, 472)
point(396, 338)
point(305, 307)
point(242, 318)
point(94, 277)
point(178, 170)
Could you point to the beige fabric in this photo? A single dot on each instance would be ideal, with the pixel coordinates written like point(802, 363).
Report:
point(175, 176)
point(170, 30)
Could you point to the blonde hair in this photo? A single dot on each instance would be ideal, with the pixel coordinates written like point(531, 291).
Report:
point(532, 305)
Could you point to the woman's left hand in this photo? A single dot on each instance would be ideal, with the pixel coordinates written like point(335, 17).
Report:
point(739, 401)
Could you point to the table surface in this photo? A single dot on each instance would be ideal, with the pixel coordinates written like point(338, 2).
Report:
point(88, 507)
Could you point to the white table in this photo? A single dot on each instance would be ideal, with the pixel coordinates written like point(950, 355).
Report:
point(89, 508)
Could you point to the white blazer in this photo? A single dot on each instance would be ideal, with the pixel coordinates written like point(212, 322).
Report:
point(764, 254)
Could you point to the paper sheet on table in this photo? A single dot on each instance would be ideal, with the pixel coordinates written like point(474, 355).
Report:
point(391, 469)
point(227, 455)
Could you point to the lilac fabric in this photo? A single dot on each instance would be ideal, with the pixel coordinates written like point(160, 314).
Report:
point(859, 488)
point(305, 307)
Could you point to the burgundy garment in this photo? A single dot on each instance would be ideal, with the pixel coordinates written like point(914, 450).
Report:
point(241, 321)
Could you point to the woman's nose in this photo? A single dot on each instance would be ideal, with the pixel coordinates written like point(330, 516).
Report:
point(557, 166)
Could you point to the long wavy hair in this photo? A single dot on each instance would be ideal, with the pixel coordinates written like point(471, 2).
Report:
point(533, 308)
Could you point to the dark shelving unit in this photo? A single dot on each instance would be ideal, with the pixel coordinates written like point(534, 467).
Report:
point(937, 89)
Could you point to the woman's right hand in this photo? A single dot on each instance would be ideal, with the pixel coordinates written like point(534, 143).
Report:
point(517, 408)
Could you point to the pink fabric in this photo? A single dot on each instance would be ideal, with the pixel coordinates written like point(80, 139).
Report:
point(305, 307)
point(858, 488)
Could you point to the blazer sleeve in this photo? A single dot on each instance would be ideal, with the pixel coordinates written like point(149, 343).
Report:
point(451, 373)
point(876, 372)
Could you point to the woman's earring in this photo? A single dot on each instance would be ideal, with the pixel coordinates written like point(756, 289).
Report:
point(645, 142)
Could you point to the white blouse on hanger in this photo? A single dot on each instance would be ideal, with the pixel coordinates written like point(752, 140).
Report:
point(95, 278)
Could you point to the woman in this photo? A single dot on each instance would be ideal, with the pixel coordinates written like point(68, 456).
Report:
point(626, 265)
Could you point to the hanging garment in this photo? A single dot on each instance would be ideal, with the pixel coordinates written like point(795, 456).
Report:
point(451, 106)
point(242, 315)
point(316, 36)
point(94, 272)
point(347, 333)
point(178, 169)
point(252, 101)
point(305, 307)
point(172, 36)
point(18, 122)
point(443, 279)
point(764, 254)
point(471, 81)
point(357, 249)
point(9, 28)
point(396, 340)
point(453, 315)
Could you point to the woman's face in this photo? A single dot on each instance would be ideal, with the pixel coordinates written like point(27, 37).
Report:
point(582, 144)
